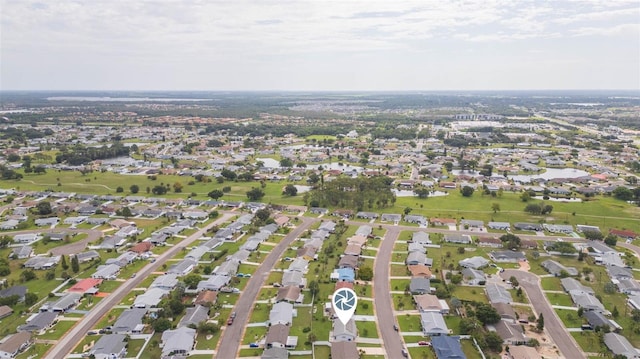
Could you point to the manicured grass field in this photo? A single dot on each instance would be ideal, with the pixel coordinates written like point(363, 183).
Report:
point(551, 283)
point(367, 329)
point(559, 299)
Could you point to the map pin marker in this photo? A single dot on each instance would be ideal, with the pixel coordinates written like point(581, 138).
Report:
point(344, 302)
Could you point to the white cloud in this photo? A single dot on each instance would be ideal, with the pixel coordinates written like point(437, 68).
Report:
point(201, 36)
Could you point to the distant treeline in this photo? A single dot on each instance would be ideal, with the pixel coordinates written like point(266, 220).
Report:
point(79, 154)
point(355, 193)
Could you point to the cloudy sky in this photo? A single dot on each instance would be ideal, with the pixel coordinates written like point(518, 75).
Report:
point(319, 45)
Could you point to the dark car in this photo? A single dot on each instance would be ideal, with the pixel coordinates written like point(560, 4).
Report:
point(395, 327)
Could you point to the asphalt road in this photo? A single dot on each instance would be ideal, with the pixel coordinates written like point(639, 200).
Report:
point(70, 340)
point(630, 247)
point(552, 323)
point(232, 335)
point(392, 342)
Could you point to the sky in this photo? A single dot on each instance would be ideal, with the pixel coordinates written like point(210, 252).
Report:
point(319, 45)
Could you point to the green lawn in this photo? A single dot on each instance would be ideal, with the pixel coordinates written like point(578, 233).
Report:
point(421, 353)
point(402, 302)
point(134, 346)
point(570, 318)
point(589, 342)
point(551, 283)
point(409, 323)
point(58, 330)
point(367, 329)
point(470, 294)
point(559, 299)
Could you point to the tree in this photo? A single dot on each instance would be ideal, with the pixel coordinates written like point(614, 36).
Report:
point(514, 281)
point(207, 328)
point(533, 208)
point(525, 196)
point(63, 262)
point(255, 194)
point(28, 275)
point(511, 241)
point(75, 265)
point(546, 209)
point(159, 189)
point(286, 162)
point(30, 298)
point(448, 166)
point(593, 235)
point(44, 208)
point(177, 187)
point(421, 192)
point(124, 212)
point(540, 323)
point(134, 188)
point(192, 280)
point(609, 288)
point(495, 207)
point(290, 190)
point(263, 214)
point(215, 194)
point(161, 324)
point(486, 314)
point(119, 189)
point(611, 240)
point(39, 169)
point(494, 342)
point(615, 313)
point(314, 287)
point(365, 273)
point(467, 191)
point(622, 193)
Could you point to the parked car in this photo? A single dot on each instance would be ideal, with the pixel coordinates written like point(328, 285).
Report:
point(395, 327)
point(424, 343)
point(229, 321)
point(253, 345)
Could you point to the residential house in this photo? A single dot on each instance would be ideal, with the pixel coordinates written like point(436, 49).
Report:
point(497, 293)
point(110, 346)
point(344, 350)
point(38, 323)
point(281, 313)
point(22, 252)
point(291, 294)
point(15, 344)
point(433, 324)
point(344, 332)
point(194, 316)
point(572, 285)
point(18, 290)
point(150, 299)
point(447, 347)
point(430, 303)
point(87, 256)
point(620, 345)
point(277, 336)
point(502, 226)
point(5, 311)
point(415, 258)
point(419, 285)
point(507, 256)
point(86, 286)
point(457, 238)
point(473, 276)
point(558, 269)
point(421, 238)
point(491, 242)
point(41, 262)
point(166, 281)
point(214, 282)
point(183, 267)
point(476, 262)
point(129, 322)
point(106, 271)
point(275, 353)
point(206, 298)
point(178, 341)
point(62, 304)
point(511, 333)
point(528, 226)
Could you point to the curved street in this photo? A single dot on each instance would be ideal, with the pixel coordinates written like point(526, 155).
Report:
point(232, 335)
point(552, 323)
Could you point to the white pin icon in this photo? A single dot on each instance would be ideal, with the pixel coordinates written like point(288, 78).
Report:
point(344, 302)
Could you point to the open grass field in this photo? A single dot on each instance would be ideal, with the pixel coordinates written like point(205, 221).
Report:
point(618, 213)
